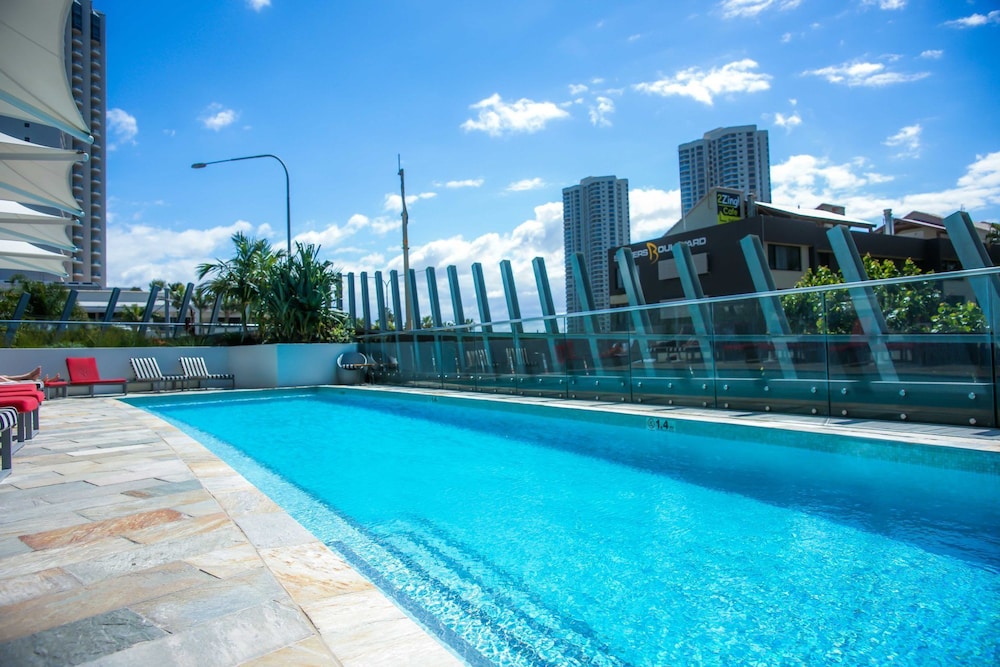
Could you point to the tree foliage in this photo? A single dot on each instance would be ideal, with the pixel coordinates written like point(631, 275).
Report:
point(298, 304)
point(913, 307)
point(242, 278)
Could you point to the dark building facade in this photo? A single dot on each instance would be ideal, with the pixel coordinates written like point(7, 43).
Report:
point(792, 246)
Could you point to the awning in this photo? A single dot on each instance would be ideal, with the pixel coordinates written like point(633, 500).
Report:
point(34, 174)
point(20, 223)
point(21, 256)
point(33, 81)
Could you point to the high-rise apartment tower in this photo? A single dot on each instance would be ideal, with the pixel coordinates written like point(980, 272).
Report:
point(728, 157)
point(85, 67)
point(595, 220)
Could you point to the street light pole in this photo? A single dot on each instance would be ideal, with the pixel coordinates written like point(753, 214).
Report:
point(288, 190)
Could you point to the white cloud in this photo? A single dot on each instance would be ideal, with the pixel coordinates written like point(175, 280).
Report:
point(577, 89)
point(634, 38)
point(887, 4)
point(600, 110)
point(497, 118)
point(541, 236)
point(467, 183)
point(216, 117)
point(750, 8)
point(333, 236)
point(258, 5)
point(652, 212)
point(735, 77)
point(122, 127)
point(932, 54)
point(526, 184)
point(807, 181)
point(394, 203)
point(869, 74)
point(786, 38)
point(787, 122)
point(975, 20)
point(908, 139)
point(145, 252)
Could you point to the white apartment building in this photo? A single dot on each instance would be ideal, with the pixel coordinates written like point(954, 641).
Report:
point(727, 157)
point(595, 220)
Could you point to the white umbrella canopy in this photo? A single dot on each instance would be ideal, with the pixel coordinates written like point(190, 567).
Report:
point(20, 223)
point(33, 82)
point(35, 174)
point(21, 256)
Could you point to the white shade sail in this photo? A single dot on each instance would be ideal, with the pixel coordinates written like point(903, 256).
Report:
point(35, 174)
point(33, 81)
point(20, 223)
point(21, 256)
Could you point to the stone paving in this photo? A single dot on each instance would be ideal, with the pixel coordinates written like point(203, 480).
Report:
point(125, 542)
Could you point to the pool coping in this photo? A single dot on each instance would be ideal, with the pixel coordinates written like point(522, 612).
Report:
point(329, 613)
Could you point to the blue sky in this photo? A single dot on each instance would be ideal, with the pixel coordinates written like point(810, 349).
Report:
point(495, 108)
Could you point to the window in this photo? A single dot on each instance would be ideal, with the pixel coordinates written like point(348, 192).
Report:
point(77, 16)
point(784, 257)
point(95, 27)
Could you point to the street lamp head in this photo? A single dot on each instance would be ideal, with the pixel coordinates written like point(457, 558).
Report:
point(198, 165)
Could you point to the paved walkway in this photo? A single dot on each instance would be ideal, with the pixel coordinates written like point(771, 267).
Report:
point(125, 542)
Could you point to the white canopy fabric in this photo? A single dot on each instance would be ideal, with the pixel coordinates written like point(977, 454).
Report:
point(21, 256)
point(35, 174)
point(20, 223)
point(33, 81)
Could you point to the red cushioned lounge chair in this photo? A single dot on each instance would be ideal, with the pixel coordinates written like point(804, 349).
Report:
point(83, 373)
point(26, 399)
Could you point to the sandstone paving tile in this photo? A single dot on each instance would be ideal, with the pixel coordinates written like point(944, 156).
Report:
point(222, 642)
point(192, 606)
point(35, 584)
point(24, 480)
point(311, 652)
point(221, 484)
point(117, 476)
point(204, 508)
point(147, 556)
point(117, 449)
point(226, 563)
point(33, 561)
point(49, 611)
point(364, 628)
point(80, 641)
point(94, 530)
point(246, 501)
point(62, 493)
point(312, 573)
point(166, 489)
point(130, 505)
point(273, 529)
point(11, 546)
point(180, 530)
point(43, 522)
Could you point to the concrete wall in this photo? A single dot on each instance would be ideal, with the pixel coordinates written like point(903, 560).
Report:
point(255, 366)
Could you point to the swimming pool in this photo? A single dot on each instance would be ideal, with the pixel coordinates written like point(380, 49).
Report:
point(523, 537)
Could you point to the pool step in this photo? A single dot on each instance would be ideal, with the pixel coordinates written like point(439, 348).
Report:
point(497, 617)
point(567, 640)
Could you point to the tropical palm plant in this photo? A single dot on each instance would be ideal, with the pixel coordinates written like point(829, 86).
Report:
point(299, 303)
point(242, 278)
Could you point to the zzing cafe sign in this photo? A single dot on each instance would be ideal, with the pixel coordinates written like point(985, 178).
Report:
point(727, 206)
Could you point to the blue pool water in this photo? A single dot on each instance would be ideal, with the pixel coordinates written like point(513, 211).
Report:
point(526, 539)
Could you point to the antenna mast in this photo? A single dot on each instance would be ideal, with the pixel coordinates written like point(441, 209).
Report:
point(406, 249)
